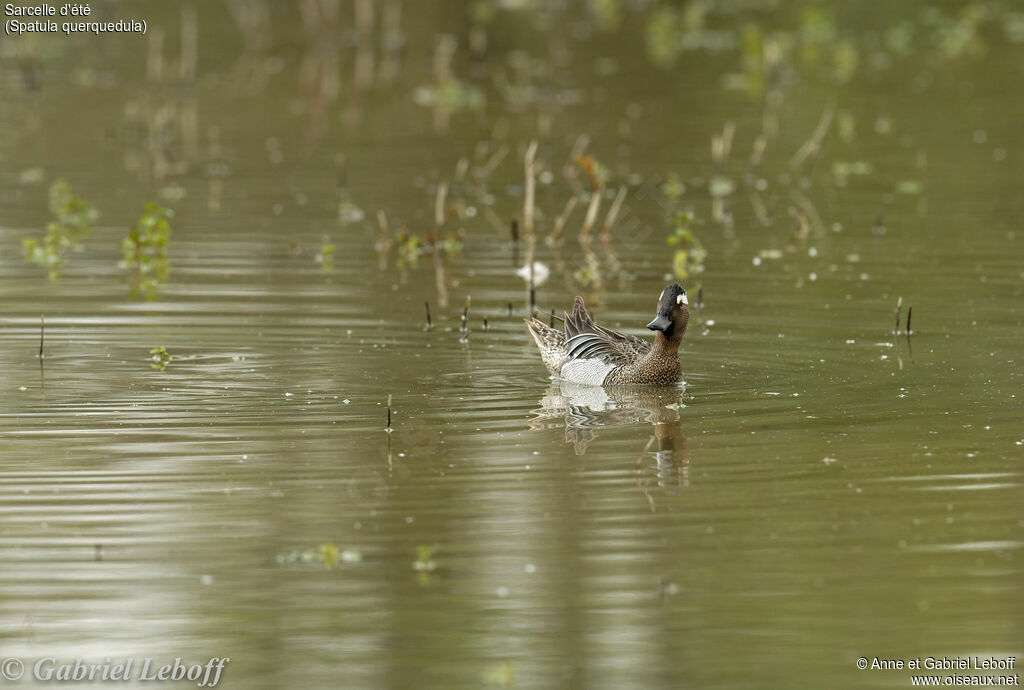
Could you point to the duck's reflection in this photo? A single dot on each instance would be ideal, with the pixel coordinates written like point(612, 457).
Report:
point(586, 409)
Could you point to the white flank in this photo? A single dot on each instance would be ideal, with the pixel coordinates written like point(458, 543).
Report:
point(589, 371)
point(682, 299)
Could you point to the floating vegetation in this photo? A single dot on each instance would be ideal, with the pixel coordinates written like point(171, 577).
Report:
point(327, 554)
point(909, 187)
point(843, 170)
point(690, 254)
point(673, 188)
point(425, 562)
point(452, 243)
point(348, 212)
point(73, 217)
point(325, 257)
point(671, 31)
point(159, 358)
point(452, 94)
point(409, 249)
point(144, 251)
point(721, 186)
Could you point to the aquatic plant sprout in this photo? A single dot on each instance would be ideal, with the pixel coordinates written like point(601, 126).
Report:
point(73, 217)
point(144, 251)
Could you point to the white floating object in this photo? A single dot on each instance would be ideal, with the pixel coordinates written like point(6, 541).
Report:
point(540, 273)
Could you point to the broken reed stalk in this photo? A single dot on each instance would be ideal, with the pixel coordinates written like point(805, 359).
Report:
point(382, 221)
point(613, 213)
point(388, 428)
point(430, 324)
point(812, 146)
point(560, 222)
point(910, 311)
point(42, 331)
point(460, 169)
point(721, 144)
point(485, 323)
point(442, 194)
point(757, 151)
point(899, 307)
point(528, 208)
point(513, 230)
point(588, 220)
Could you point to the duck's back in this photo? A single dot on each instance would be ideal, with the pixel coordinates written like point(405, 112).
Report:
point(586, 353)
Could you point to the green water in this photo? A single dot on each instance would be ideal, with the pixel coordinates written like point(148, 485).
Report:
point(820, 491)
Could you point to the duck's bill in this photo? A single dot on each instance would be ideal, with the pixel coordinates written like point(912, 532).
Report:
point(660, 323)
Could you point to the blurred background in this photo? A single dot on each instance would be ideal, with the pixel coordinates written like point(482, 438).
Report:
point(267, 393)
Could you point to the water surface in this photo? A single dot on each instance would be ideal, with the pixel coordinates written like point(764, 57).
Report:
point(820, 490)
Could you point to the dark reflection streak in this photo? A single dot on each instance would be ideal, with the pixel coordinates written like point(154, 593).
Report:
point(42, 333)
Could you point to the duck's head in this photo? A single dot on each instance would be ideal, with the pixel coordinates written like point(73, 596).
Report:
point(673, 312)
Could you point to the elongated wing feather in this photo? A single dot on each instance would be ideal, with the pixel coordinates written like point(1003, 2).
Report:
point(587, 340)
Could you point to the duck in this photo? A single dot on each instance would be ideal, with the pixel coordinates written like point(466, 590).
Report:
point(590, 354)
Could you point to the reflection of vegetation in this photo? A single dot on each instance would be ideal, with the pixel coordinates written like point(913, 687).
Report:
point(424, 562)
point(329, 554)
point(425, 565)
point(447, 94)
point(816, 39)
point(843, 170)
point(672, 31)
point(503, 674)
point(690, 253)
point(159, 358)
point(145, 251)
point(73, 221)
point(451, 94)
